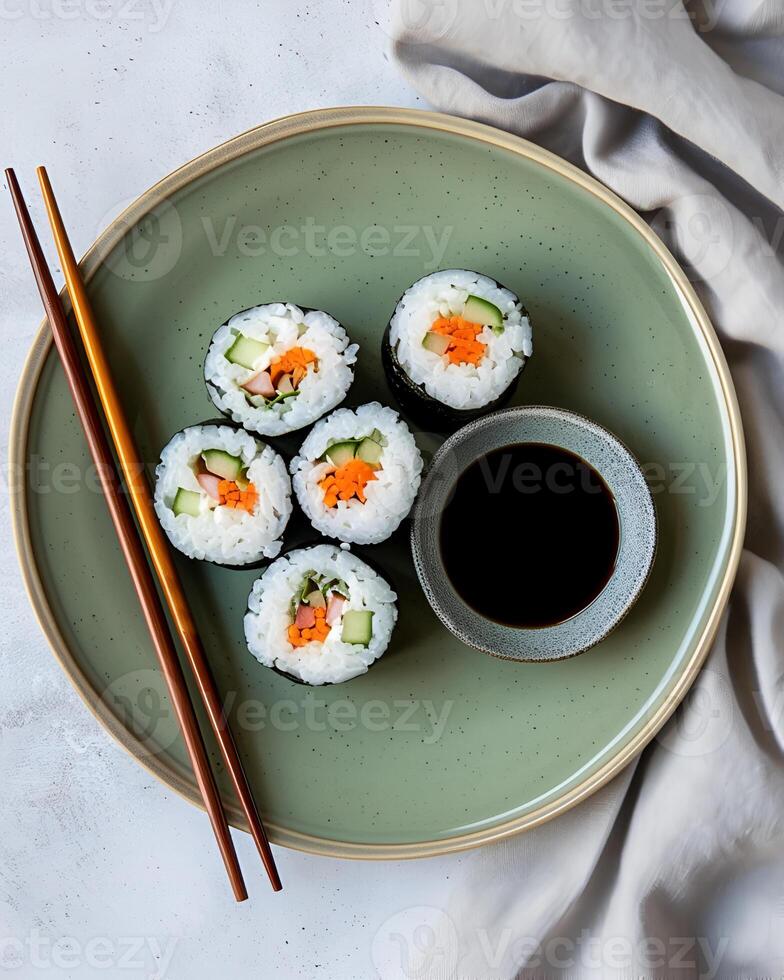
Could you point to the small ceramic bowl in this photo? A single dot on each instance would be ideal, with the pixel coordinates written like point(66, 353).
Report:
point(636, 519)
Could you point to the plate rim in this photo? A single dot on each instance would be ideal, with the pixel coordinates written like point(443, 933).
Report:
point(265, 134)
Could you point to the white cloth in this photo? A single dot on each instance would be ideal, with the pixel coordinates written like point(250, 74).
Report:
point(675, 868)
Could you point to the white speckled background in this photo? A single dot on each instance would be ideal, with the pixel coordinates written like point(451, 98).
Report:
point(103, 872)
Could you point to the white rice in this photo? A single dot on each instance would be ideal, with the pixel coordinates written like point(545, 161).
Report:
point(269, 616)
point(222, 534)
point(278, 324)
point(460, 386)
point(389, 497)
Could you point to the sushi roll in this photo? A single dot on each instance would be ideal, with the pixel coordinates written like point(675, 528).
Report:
point(357, 473)
point(455, 347)
point(223, 496)
point(278, 367)
point(320, 615)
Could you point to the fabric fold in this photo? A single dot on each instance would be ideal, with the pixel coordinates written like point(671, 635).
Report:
point(679, 110)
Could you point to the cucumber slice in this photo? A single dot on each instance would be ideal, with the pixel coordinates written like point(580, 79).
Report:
point(378, 436)
point(186, 502)
point(242, 480)
point(222, 464)
point(245, 351)
point(370, 452)
point(436, 343)
point(316, 599)
point(357, 626)
point(478, 310)
point(341, 453)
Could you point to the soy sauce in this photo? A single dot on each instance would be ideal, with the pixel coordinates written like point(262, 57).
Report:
point(530, 535)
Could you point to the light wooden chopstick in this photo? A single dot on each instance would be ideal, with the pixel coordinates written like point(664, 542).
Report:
point(129, 540)
point(133, 471)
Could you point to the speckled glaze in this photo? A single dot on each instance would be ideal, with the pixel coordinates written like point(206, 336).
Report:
point(436, 748)
point(636, 517)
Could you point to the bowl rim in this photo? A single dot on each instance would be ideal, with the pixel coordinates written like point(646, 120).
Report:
point(569, 417)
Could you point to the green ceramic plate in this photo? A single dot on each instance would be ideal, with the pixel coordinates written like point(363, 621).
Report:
point(437, 747)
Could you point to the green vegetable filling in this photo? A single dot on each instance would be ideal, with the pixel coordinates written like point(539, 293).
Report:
point(245, 351)
point(368, 448)
point(357, 627)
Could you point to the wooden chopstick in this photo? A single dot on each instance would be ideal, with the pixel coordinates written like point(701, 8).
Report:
point(129, 540)
point(133, 470)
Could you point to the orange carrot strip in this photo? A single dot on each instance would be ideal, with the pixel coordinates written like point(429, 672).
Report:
point(464, 348)
point(318, 632)
point(346, 482)
point(231, 496)
point(293, 361)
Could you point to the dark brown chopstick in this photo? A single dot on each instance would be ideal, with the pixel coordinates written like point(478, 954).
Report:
point(129, 540)
point(133, 470)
